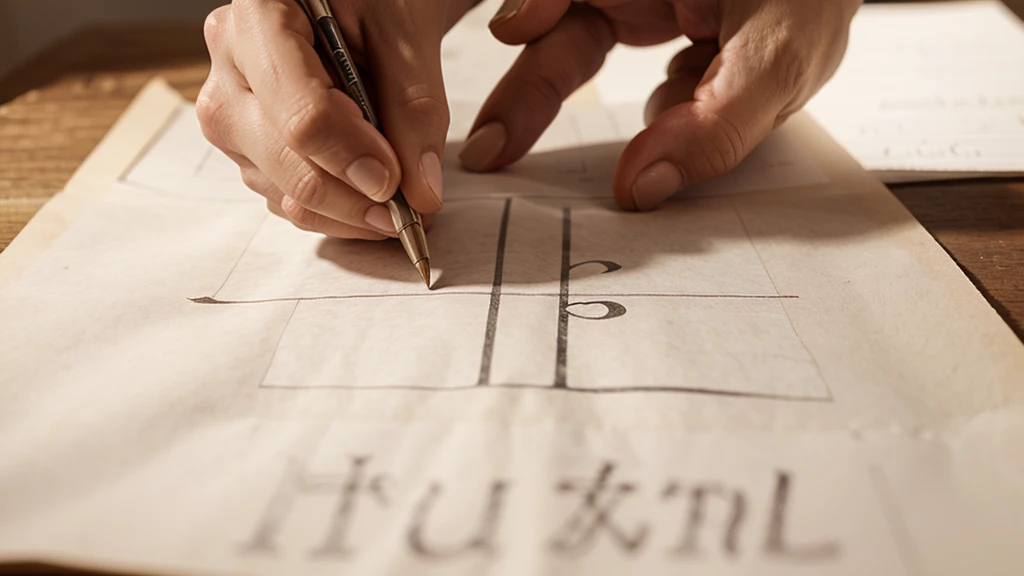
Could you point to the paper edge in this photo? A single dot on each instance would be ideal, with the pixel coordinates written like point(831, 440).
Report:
point(937, 176)
point(147, 114)
point(846, 172)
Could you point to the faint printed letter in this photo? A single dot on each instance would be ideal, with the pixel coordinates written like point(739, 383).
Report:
point(348, 489)
point(481, 541)
point(594, 515)
point(696, 518)
point(776, 544)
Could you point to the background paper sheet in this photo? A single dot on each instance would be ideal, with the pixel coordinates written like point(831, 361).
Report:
point(931, 90)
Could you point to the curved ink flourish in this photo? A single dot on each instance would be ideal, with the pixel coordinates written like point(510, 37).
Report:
point(609, 266)
point(612, 310)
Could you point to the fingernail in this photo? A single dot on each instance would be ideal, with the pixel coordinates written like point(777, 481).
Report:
point(369, 176)
point(483, 147)
point(507, 12)
point(655, 184)
point(379, 217)
point(430, 165)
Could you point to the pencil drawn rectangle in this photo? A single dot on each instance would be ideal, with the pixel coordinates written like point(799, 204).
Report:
point(283, 262)
point(697, 247)
point(338, 344)
point(735, 347)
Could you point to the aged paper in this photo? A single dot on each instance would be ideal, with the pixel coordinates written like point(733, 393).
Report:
point(781, 374)
point(931, 91)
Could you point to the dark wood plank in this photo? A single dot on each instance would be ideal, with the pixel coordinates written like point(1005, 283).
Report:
point(981, 225)
point(74, 95)
point(15, 213)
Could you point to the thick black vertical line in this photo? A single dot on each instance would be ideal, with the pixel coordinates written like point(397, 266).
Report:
point(492, 313)
point(562, 347)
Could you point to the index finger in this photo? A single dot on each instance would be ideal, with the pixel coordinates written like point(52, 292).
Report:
point(274, 51)
point(522, 21)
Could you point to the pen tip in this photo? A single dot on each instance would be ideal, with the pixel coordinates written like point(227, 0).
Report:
point(424, 267)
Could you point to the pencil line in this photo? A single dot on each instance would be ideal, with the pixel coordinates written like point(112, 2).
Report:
point(164, 129)
point(149, 188)
point(241, 256)
point(590, 198)
point(750, 238)
point(277, 346)
point(593, 391)
point(213, 300)
point(575, 124)
point(202, 163)
point(562, 341)
point(492, 310)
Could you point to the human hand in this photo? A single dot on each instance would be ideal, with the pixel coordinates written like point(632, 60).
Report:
point(753, 64)
point(270, 105)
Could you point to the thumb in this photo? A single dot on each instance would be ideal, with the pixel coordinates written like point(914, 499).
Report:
point(703, 132)
point(522, 21)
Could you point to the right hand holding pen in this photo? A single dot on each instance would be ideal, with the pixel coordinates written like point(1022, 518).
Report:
point(270, 105)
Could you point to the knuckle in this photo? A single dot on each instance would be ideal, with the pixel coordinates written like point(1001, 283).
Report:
point(541, 90)
point(588, 40)
point(711, 162)
point(309, 190)
point(730, 142)
point(302, 219)
point(213, 28)
point(286, 16)
point(254, 180)
point(420, 101)
point(718, 145)
point(793, 66)
point(300, 226)
point(306, 129)
point(211, 112)
point(721, 149)
point(274, 207)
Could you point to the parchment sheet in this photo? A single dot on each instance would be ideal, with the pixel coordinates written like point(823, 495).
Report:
point(782, 373)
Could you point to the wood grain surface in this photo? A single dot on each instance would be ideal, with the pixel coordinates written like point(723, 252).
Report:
point(70, 96)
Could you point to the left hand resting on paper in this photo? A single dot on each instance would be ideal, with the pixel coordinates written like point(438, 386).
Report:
point(754, 63)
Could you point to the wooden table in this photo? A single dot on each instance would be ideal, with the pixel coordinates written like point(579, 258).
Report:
point(72, 97)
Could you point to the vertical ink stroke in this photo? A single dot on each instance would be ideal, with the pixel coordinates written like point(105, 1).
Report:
point(481, 543)
point(562, 348)
point(492, 312)
point(776, 543)
point(696, 518)
point(347, 490)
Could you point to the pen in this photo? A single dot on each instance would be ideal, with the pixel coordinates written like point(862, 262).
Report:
point(334, 52)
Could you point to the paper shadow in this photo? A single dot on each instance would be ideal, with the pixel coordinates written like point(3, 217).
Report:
point(581, 178)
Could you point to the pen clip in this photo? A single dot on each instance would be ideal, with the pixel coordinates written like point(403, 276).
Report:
point(339, 61)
